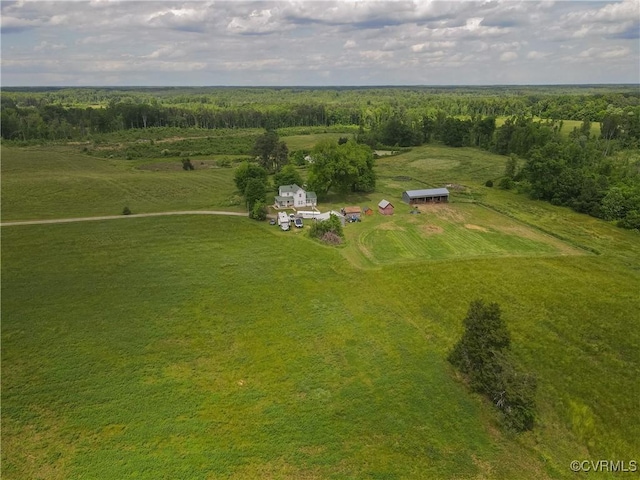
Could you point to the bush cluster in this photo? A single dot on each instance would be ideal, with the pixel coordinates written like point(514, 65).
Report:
point(329, 231)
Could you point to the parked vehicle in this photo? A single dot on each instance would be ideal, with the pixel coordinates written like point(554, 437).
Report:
point(298, 223)
point(272, 221)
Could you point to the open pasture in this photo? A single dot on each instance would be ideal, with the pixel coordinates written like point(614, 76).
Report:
point(220, 347)
point(212, 347)
point(59, 182)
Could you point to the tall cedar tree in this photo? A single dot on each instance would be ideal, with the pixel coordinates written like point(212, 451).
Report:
point(483, 355)
point(272, 154)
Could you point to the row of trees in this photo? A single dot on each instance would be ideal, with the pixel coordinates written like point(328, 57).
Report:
point(72, 113)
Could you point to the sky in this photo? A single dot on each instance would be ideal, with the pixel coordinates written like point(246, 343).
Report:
point(319, 43)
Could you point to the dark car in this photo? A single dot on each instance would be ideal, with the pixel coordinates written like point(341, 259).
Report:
point(272, 221)
point(298, 223)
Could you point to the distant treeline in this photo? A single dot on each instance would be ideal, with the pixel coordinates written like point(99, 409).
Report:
point(74, 113)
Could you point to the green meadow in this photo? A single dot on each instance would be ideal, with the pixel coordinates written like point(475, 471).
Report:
point(220, 347)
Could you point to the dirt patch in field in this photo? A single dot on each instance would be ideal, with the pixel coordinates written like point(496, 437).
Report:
point(390, 226)
point(431, 229)
point(177, 139)
point(384, 153)
point(475, 227)
point(443, 211)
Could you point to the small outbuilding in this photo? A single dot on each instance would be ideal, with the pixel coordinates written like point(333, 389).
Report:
point(385, 207)
point(352, 212)
point(428, 195)
point(367, 211)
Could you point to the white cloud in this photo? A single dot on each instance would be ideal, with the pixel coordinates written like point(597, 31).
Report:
point(534, 55)
point(293, 41)
point(48, 46)
point(508, 56)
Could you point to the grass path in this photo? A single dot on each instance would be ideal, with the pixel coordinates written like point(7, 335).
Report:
point(114, 217)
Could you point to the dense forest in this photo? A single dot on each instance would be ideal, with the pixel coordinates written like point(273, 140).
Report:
point(31, 113)
point(595, 173)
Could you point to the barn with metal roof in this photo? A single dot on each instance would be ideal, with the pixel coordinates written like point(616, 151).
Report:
point(428, 195)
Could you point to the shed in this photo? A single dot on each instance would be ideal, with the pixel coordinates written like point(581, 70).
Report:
point(428, 195)
point(385, 207)
point(352, 212)
point(367, 210)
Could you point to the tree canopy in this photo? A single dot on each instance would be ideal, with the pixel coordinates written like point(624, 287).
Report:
point(246, 171)
point(344, 168)
point(287, 176)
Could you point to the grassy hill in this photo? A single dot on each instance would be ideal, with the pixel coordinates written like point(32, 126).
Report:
point(211, 347)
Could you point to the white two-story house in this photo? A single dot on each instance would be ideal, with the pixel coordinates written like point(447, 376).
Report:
point(294, 196)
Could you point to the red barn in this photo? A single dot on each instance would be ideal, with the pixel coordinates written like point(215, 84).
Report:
point(385, 207)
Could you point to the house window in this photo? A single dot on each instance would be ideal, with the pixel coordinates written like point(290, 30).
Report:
point(299, 195)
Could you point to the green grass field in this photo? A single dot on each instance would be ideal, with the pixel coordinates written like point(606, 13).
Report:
point(59, 182)
point(213, 347)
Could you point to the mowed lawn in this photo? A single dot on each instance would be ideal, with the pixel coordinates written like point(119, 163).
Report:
point(450, 231)
point(212, 347)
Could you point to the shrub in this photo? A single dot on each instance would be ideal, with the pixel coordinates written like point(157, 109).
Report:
point(489, 183)
point(331, 238)
point(259, 211)
point(187, 165)
point(506, 183)
point(126, 211)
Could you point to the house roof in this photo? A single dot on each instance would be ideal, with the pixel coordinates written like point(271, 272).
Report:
point(311, 195)
point(427, 192)
point(283, 199)
point(352, 210)
point(364, 209)
point(289, 188)
point(384, 204)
